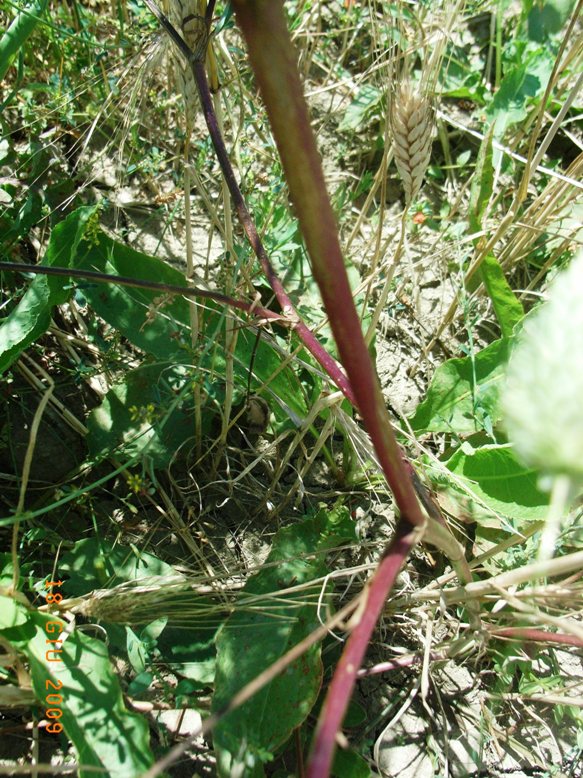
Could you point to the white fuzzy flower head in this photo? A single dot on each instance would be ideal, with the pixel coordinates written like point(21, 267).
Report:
point(542, 400)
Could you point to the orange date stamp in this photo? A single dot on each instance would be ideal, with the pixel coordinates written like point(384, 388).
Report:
point(53, 701)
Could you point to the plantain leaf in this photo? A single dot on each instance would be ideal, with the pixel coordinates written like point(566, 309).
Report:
point(74, 682)
point(463, 392)
point(252, 639)
point(495, 476)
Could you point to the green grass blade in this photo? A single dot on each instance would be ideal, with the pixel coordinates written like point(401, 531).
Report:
point(19, 31)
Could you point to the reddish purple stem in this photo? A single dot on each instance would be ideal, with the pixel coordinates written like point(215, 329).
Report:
point(346, 671)
point(534, 635)
point(328, 363)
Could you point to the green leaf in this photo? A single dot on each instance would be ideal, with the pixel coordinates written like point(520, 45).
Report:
point(95, 563)
point(157, 325)
point(494, 475)
point(462, 388)
point(546, 19)
point(524, 81)
point(104, 733)
point(149, 414)
point(508, 106)
point(16, 35)
point(349, 763)
point(23, 218)
point(164, 330)
point(482, 183)
point(137, 654)
point(191, 651)
point(31, 317)
point(12, 613)
point(253, 638)
point(507, 307)
point(361, 108)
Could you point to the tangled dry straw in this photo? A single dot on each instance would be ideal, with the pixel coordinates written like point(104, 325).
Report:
point(412, 127)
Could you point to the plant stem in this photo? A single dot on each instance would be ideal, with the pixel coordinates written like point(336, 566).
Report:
point(274, 62)
point(346, 671)
point(273, 59)
point(537, 636)
point(24, 482)
point(196, 62)
point(304, 333)
point(138, 283)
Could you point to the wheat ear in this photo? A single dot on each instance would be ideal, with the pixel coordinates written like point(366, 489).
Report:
point(412, 127)
point(186, 17)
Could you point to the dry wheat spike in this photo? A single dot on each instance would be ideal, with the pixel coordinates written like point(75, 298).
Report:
point(412, 126)
point(186, 17)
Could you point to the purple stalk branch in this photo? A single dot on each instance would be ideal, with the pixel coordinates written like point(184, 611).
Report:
point(345, 674)
point(138, 283)
point(273, 59)
point(274, 62)
point(304, 333)
point(536, 636)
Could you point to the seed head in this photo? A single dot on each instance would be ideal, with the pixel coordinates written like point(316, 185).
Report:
point(412, 126)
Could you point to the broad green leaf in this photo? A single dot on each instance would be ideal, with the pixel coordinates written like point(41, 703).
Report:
point(361, 108)
point(253, 638)
point(547, 18)
point(507, 307)
point(94, 717)
point(12, 613)
point(95, 563)
point(525, 80)
point(509, 104)
point(17, 33)
point(459, 77)
point(156, 324)
point(494, 475)
point(150, 413)
point(349, 763)
point(31, 317)
point(161, 327)
point(463, 392)
point(190, 651)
